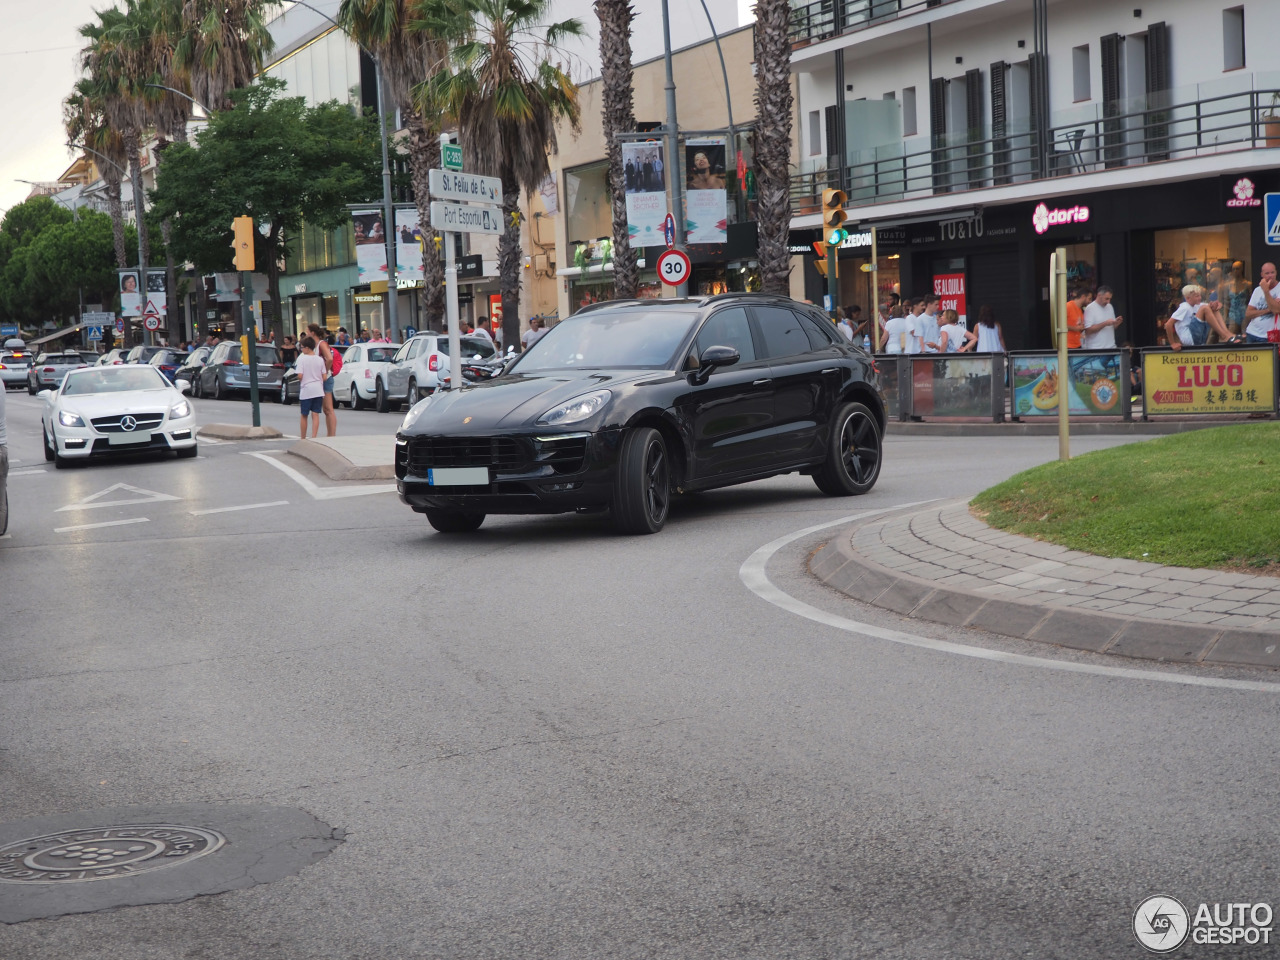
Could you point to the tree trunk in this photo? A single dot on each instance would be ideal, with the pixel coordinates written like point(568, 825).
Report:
point(424, 153)
point(619, 117)
point(773, 143)
point(116, 209)
point(509, 262)
point(273, 284)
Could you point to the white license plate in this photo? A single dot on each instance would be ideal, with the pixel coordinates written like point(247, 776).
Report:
point(125, 439)
point(458, 476)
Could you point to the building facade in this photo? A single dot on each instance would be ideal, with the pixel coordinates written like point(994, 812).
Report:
point(978, 136)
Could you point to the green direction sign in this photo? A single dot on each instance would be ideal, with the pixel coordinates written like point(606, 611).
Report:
point(451, 153)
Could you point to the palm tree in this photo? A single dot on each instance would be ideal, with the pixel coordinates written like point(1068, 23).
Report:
point(83, 119)
point(221, 46)
point(506, 95)
point(408, 58)
point(619, 117)
point(773, 142)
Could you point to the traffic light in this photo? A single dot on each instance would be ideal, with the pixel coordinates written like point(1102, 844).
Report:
point(833, 216)
point(243, 243)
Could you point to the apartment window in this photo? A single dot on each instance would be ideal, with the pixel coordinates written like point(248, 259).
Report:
point(890, 96)
point(1080, 72)
point(1233, 38)
point(815, 133)
point(909, 128)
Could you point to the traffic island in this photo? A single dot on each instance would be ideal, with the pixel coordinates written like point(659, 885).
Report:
point(350, 458)
point(237, 431)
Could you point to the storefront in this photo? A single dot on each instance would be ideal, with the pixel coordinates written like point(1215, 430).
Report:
point(1145, 243)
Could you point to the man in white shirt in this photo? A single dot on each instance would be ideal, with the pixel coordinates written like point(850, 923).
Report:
point(1263, 312)
point(915, 327)
point(1100, 322)
point(533, 334)
point(844, 325)
point(482, 330)
point(928, 325)
point(897, 334)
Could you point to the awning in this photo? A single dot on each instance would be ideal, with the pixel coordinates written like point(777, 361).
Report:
point(61, 333)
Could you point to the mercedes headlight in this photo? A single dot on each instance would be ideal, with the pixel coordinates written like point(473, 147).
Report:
point(68, 419)
point(179, 410)
point(579, 408)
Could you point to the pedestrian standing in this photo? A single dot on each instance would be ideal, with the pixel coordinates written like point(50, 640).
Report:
point(1262, 315)
point(990, 335)
point(326, 354)
point(1100, 322)
point(288, 351)
point(533, 334)
point(311, 377)
point(1075, 316)
point(844, 324)
point(482, 330)
point(953, 338)
point(928, 321)
point(915, 327)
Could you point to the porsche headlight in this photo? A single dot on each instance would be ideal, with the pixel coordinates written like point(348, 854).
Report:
point(577, 409)
point(179, 410)
point(68, 419)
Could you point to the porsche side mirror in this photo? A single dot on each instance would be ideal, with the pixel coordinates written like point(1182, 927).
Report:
point(712, 357)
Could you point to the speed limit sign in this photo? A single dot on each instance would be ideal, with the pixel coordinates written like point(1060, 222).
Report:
point(673, 267)
point(151, 323)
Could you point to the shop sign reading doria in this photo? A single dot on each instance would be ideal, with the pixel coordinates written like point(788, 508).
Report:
point(1043, 217)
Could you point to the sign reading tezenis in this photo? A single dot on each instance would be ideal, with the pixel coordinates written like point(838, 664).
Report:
point(1210, 380)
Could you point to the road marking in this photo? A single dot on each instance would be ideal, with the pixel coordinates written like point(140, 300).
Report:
point(108, 523)
point(317, 491)
point(28, 473)
point(754, 576)
point(247, 506)
point(92, 502)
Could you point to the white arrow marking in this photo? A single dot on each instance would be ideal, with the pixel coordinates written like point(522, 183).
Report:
point(108, 523)
point(92, 502)
point(317, 491)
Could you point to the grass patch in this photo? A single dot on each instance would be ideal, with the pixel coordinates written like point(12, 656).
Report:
point(1208, 498)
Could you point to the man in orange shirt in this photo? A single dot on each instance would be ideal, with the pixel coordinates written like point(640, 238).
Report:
point(1075, 316)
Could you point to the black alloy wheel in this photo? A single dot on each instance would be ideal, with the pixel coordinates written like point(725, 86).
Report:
point(642, 496)
point(854, 453)
point(450, 521)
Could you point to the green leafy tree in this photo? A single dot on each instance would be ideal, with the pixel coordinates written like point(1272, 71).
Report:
point(271, 158)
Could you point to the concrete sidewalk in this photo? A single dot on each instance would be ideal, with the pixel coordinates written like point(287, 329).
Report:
point(945, 565)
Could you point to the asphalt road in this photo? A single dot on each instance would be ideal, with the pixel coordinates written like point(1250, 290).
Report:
point(547, 741)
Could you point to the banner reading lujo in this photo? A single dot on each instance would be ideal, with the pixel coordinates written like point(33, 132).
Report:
point(1212, 380)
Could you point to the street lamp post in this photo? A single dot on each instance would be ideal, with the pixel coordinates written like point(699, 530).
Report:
point(388, 208)
point(139, 210)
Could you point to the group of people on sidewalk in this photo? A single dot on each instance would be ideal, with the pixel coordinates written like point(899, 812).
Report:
point(1199, 315)
point(918, 326)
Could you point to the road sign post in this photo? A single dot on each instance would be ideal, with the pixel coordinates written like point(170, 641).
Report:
point(450, 154)
point(251, 340)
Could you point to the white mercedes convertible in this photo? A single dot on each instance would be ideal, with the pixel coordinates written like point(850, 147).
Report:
point(103, 411)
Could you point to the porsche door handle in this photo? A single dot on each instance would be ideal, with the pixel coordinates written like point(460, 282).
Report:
point(761, 383)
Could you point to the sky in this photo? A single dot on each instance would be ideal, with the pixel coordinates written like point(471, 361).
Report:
point(38, 68)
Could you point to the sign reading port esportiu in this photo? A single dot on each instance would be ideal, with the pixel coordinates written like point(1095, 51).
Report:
point(1236, 379)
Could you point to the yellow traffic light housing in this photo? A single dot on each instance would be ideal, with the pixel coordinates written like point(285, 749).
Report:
point(833, 216)
point(243, 243)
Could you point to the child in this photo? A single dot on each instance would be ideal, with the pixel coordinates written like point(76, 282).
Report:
point(311, 374)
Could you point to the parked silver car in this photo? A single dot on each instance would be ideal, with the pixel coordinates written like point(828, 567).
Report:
point(420, 366)
point(225, 374)
point(49, 369)
point(14, 367)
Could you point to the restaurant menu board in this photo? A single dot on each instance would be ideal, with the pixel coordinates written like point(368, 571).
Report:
point(1093, 385)
point(1210, 380)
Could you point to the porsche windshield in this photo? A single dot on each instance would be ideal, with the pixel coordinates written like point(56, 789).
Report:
point(634, 337)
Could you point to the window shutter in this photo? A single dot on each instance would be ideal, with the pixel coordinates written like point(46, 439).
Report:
point(831, 116)
point(1039, 68)
point(975, 161)
point(999, 143)
point(1156, 132)
point(938, 133)
point(1112, 128)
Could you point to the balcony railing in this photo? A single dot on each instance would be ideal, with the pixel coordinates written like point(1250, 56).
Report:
point(823, 19)
point(1149, 129)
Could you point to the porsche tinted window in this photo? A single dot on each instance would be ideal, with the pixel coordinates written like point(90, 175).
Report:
point(783, 334)
point(822, 333)
point(627, 337)
point(728, 328)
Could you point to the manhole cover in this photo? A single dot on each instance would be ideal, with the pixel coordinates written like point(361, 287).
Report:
point(101, 853)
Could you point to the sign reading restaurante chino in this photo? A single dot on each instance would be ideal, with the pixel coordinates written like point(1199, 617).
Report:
point(1211, 380)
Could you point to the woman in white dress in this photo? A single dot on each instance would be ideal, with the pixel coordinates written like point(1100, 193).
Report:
point(990, 336)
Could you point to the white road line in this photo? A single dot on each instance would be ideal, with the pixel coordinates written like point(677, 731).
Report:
point(28, 473)
point(317, 491)
point(247, 506)
point(108, 523)
point(753, 574)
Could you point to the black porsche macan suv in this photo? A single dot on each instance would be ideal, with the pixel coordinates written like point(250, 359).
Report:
point(627, 402)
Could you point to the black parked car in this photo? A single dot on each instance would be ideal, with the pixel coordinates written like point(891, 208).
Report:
point(627, 402)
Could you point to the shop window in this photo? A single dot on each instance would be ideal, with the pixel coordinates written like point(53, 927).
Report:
point(590, 215)
point(1082, 265)
point(1233, 38)
point(815, 133)
point(1080, 72)
point(1215, 258)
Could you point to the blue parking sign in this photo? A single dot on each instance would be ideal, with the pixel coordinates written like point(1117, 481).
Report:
point(1271, 210)
point(410, 332)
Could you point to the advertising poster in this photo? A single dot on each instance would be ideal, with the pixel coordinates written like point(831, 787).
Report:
point(645, 178)
point(408, 245)
point(949, 289)
point(1240, 380)
point(705, 205)
point(371, 250)
point(956, 387)
point(550, 195)
point(157, 300)
point(130, 294)
point(1094, 387)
